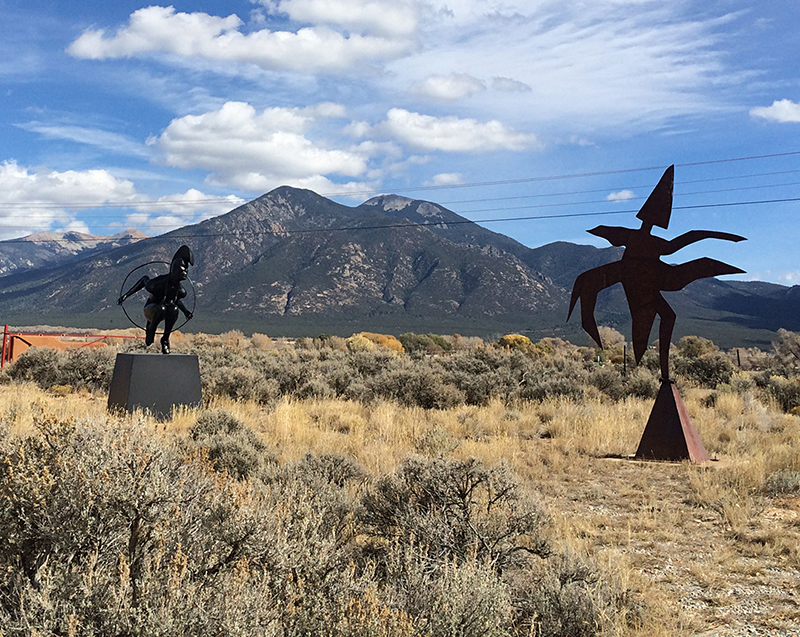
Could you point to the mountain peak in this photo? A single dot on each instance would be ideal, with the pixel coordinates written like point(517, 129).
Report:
point(389, 202)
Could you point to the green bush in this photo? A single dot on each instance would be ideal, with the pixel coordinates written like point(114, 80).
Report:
point(786, 391)
point(459, 509)
point(708, 370)
point(40, 365)
point(81, 368)
point(111, 528)
point(567, 598)
point(232, 447)
point(425, 343)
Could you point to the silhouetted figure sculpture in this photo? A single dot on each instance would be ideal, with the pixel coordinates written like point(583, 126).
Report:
point(669, 434)
point(166, 297)
point(644, 276)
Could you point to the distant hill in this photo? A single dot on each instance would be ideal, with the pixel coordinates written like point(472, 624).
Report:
point(55, 248)
point(293, 262)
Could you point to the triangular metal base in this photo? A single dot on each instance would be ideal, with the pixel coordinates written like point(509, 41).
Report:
point(670, 434)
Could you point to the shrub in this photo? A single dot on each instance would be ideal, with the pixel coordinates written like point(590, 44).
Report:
point(546, 385)
point(786, 391)
point(708, 369)
point(425, 343)
point(109, 531)
point(787, 350)
point(458, 508)
point(468, 599)
point(232, 447)
point(418, 386)
point(608, 381)
point(695, 346)
point(331, 468)
point(88, 368)
point(261, 341)
point(40, 365)
point(82, 368)
point(566, 598)
point(384, 340)
point(517, 342)
point(781, 482)
point(360, 343)
point(612, 339)
point(642, 382)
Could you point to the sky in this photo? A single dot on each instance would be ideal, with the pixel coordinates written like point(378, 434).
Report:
point(118, 115)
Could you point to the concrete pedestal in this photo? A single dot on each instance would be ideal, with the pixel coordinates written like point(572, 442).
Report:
point(155, 382)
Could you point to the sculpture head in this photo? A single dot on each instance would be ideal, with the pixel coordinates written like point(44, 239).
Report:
point(657, 209)
point(183, 258)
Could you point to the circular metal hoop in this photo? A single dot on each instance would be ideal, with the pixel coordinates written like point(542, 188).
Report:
point(144, 265)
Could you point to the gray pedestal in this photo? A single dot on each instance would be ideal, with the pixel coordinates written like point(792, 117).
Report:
point(155, 382)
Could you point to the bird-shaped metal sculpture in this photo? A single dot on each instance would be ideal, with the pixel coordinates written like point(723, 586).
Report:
point(644, 276)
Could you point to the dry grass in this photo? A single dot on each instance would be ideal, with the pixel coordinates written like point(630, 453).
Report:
point(710, 549)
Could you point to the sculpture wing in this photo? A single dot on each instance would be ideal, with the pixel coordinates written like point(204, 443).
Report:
point(694, 236)
point(676, 277)
point(615, 235)
point(586, 288)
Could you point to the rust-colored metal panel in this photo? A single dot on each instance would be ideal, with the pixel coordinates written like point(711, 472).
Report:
point(670, 434)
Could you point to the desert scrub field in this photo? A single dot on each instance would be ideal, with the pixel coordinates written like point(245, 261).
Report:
point(332, 488)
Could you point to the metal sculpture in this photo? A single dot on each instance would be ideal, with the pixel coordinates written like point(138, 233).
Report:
point(644, 276)
point(166, 297)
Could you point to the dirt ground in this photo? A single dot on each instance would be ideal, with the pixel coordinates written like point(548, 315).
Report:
point(722, 582)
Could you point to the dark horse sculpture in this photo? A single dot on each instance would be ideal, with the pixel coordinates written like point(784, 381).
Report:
point(166, 297)
point(644, 276)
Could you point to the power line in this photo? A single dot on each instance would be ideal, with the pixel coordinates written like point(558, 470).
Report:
point(543, 195)
point(648, 186)
point(504, 182)
point(571, 176)
point(411, 224)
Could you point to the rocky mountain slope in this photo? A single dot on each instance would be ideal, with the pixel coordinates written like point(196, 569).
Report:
point(55, 248)
point(293, 262)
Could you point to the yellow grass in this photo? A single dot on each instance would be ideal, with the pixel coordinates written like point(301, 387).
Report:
point(698, 543)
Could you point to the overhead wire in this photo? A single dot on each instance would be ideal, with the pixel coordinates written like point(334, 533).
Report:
point(127, 204)
point(217, 200)
point(443, 223)
point(32, 215)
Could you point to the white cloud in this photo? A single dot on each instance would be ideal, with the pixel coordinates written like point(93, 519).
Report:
point(34, 200)
point(174, 211)
point(257, 151)
point(782, 111)
point(90, 136)
point(453, 134)
point(622, 195)
point(446, 179)
point(357, 129)
point(790, 278)
point(448, 88)
point(508, 85)
point(199, 35)
point(386, 17)
point(589, 65)
point(193, 205)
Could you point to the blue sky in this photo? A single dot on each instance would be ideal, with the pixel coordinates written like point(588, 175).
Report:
point(120, 114)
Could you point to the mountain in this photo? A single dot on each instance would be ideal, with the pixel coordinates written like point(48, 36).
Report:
point(293, 262)
point(55, 248)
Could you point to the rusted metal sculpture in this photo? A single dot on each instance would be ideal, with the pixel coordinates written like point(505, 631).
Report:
point(644, 276)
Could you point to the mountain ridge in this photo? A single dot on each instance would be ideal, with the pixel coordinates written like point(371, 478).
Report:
point(292, 261)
